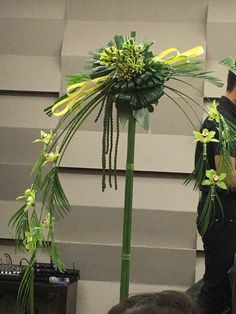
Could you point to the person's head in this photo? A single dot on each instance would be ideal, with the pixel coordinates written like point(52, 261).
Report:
point(231, 87)
point(165, 302)
point(231, 82)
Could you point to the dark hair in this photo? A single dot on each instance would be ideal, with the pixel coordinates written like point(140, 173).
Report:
point(165, 302)
point(231, 81)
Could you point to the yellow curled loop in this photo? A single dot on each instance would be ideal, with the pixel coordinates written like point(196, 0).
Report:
point(179, 57)
point(73, 87)
point(165, 53)
point(59, 104)
point(194, 52)
point(77, 93)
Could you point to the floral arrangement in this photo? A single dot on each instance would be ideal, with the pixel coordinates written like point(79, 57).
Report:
point(128, 78)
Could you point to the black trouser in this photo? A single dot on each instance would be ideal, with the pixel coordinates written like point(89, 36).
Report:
point(219, 245)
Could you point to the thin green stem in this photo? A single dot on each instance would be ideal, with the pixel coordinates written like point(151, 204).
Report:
point(127, 222)
point(77, 123)
point(190, 106)
point(185, 95)
point(190, 121)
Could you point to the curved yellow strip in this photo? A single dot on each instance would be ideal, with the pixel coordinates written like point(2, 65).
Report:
point(165, 53)
point(194, 52)
point(73, 87)
point(179, 57)
point(59, 104)
point(77, 92)
point(176, 59)
point(84, 85)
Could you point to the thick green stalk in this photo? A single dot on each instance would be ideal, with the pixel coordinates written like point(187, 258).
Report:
point(127, 222)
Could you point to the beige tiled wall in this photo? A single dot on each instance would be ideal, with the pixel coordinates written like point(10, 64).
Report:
point(41, 42)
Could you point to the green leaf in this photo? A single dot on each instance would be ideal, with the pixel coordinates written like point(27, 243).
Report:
point(142, 116)
point(56, 259)
point(25, 297)
point(77, 78)
point(119, 40)
point(123, 117)
point(194, 68)
point(133, 35)
point(37, 165)
point(229, 63)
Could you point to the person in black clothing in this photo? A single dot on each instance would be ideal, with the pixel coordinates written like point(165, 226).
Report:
point(219, 241)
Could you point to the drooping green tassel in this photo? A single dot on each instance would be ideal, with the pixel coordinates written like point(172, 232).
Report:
point(116, 148)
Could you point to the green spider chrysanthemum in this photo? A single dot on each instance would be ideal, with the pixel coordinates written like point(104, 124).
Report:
point(128, 62)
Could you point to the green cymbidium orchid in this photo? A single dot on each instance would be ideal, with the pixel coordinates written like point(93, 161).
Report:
point(215, 179)
point(51, 157)
point(33, 237)
point(213, 113)
point(29, 241)
point(205, 137)
point(46, 138)
point(46, 222)
point(29, 195)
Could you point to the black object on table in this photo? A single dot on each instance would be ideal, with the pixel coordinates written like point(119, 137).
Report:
point(55, 292)
point(50, 298)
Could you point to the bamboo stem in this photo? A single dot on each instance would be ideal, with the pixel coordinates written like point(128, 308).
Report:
point(127, 221)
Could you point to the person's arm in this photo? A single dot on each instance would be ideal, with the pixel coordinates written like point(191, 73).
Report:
point(220, 168)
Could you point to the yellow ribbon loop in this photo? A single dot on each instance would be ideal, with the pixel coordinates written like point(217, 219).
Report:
point(194, 52)
point(178, 57)
point(77, 93)
point(165, 53)
point(59, 104)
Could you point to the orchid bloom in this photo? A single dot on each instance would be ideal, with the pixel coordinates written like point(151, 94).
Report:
point(46, 138)
point(213, 113)
point(29, 195)
point(205, 137)
point(51, 157)
point(215, 179)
